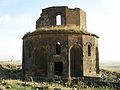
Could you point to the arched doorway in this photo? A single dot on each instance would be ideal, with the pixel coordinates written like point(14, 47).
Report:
point(40, 61)
point(76, 61)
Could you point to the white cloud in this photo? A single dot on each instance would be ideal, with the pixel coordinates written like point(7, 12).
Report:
point(7, 2)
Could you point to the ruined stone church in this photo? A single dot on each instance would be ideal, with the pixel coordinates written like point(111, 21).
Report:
point(60, 45)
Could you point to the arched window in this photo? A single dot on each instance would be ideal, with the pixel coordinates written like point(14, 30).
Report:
point(58, 48)
point(89, 50)
point(58, 20)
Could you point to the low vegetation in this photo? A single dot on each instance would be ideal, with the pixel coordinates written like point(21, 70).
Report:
point(11, 78)
point(61, 30)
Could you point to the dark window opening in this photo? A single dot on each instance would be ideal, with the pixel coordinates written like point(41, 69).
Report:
point(89, 50)
point(58, 68)
point(58, 20)
point(58, 48)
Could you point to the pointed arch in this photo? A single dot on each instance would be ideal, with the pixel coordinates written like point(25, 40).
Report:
point(58, 48)
point(76, 61)
point(89, 50)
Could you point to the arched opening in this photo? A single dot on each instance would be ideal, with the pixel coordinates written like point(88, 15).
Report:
point(97, 60)
point(58, 48)
point(89, 50)
point(40, 61)
point(58, 20)
point(76, 61)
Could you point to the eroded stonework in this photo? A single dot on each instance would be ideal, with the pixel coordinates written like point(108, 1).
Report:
point(61, 52)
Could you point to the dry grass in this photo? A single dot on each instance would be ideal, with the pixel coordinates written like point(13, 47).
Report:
point(10, 71)
point(71, 27)
point(111, 66)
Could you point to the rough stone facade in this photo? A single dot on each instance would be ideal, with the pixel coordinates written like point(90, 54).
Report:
point(69, 17)
point(61, 52)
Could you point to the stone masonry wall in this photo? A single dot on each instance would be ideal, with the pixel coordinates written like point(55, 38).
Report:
point(66, 52)
point(39, 54)
point(69, 17)
point(47, 41)
point(89, 62)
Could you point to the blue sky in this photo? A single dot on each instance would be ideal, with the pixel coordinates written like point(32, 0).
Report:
point(19, 16)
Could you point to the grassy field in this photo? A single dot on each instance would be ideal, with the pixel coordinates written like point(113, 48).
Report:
point(11, 78)
point(111, 66)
